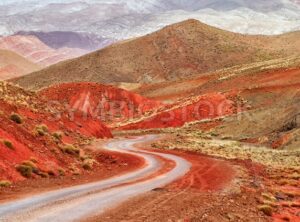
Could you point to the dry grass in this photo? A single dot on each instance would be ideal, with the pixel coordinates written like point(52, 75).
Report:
point(8, 144)
point(58, 135)
point(16, 118)
point(266, 209)
point(24, 170)
point(40, 130)
point(88, 164)
point(5, 183)
point(71, 149)
point(201, 142)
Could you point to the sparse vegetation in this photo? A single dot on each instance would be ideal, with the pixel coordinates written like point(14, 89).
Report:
point(61, 172)
point(51, 173)
point(41, 130)
point(16, 118)
point(8, 144)
point(75, 171)
point(57, 135)
point(87, 164)
point(24, 170)
point(43, 174)
point(5, 183)
point(30, 164)
point(71, 149)
point(266, 209)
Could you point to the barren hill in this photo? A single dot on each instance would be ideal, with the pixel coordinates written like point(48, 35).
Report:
point(179, 51)
point(175, 90)
point(246, 102)
point(107, 103)
point(13, 65)
point(36, 51)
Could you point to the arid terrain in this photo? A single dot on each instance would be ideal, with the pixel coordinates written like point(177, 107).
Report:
point(13, 65)
point(177, 52)
point(189, 123)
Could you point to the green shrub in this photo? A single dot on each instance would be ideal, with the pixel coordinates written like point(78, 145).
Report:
point(84, 157)
point(16, 118)
point(61, 172)
point(30, 164)
point(58, 135)
point(43, 174)
point(88, 164)
point(8, 144)
point(24, 170)
point(5, 183)
point(51, 173)
point(41, 130)
point(266, 209)
point(70, 149)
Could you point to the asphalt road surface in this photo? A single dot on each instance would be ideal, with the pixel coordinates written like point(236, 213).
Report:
point(79, 202)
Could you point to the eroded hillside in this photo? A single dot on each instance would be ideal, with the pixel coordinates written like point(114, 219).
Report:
point(38, 139)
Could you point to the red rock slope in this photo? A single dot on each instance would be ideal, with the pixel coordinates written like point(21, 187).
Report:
point(108, 103)
point(41, 135)
point(191, 109)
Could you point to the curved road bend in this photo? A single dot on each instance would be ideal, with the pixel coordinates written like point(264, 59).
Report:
point(82, 201)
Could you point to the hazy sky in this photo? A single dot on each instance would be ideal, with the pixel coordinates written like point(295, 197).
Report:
point(129, 18)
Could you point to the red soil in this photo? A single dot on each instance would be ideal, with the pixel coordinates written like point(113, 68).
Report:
point(284, 139)
point(107, 103)
point(206, 174)
point(204, 107)
point(43, 149)
point(272, 78)
point(111, 164)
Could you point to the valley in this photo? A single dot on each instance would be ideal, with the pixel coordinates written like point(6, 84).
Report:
point(187, 123)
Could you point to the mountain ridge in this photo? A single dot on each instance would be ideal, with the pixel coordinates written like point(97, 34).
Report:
point(179, 51)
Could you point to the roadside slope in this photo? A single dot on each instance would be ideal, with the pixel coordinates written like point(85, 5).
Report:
point(38, 139)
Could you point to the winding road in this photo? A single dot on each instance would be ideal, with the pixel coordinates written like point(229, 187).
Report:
point(80, 202)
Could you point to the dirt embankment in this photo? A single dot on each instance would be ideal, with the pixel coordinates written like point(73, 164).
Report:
point(107, 103)
point(37, 142)
point(110, 164)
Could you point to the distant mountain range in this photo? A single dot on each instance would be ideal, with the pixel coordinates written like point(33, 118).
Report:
point(13, 65)
point(31, 48)
point(59, 39)
point(122, 19)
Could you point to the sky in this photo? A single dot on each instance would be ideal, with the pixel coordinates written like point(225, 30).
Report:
point(129, 18)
